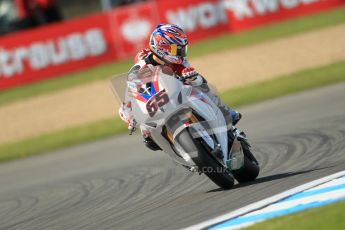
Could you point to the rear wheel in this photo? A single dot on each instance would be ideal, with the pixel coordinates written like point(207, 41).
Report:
point(205, 162)
point(251, 169)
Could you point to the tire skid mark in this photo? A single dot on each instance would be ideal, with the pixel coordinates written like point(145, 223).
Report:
point(115, 198)
point(310, 148)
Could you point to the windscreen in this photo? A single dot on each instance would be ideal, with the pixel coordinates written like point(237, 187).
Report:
point(138, 80)
point(119, 87)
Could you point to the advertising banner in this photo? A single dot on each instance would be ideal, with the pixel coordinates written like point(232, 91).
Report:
point(132, 26)
point(55, 50)
point(61, 48)
point(199, 18)
point(248, 14)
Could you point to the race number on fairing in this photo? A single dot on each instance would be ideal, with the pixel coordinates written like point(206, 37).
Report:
point(157, 101)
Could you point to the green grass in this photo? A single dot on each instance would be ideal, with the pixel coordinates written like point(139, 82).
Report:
point(61, 139)
point(220, 43)
point(297, 82)
point(330, 217)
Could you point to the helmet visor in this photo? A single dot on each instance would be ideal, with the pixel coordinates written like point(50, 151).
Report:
point(182, 51)
point(179, 51)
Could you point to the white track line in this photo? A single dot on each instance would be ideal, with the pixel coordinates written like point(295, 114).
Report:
point(265, 202)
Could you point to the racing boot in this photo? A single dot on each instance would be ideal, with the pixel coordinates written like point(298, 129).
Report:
point(236, 116)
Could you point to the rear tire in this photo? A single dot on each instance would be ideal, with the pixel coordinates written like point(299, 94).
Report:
point(251, 169)
point(206, 163)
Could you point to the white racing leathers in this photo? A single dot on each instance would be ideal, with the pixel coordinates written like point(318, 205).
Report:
point(199, 82)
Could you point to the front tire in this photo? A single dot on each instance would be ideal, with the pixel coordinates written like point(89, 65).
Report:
point(205, 162)
point(251, 169)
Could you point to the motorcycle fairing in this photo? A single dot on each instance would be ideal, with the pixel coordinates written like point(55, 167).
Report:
point(180, 97)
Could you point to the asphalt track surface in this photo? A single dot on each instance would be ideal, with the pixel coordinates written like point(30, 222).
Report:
point(118, 184)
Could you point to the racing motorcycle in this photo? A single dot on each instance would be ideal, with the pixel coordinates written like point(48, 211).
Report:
point(187, 125)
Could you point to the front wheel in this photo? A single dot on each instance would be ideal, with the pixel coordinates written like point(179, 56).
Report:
point(205, 162)
point(251, 169)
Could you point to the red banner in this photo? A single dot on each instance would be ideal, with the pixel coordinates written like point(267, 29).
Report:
point(55, 50)
point(132, 27)
point(74, 45)
point(247, 14)
point(200, 18)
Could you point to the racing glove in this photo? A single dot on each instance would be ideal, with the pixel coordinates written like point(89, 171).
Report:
point(126, 117)
point(191, 77)
point(142, 54)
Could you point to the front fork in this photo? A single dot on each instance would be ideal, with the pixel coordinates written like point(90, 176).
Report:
point(236, 154)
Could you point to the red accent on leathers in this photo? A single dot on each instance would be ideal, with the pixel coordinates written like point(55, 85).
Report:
point(188, 72)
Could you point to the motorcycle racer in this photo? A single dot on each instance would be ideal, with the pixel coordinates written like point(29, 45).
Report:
point(168, 46)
